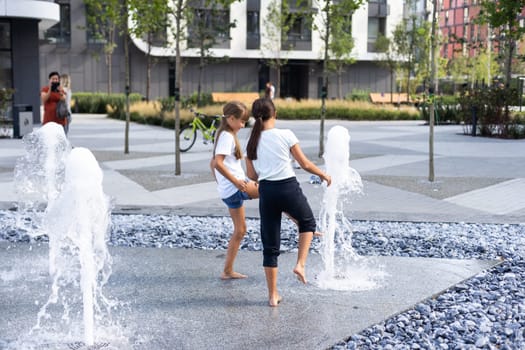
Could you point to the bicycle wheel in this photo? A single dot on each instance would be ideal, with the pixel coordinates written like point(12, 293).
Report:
point(187, 138)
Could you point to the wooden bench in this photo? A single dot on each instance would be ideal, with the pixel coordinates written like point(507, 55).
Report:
point(397, 98)
point(244, 97)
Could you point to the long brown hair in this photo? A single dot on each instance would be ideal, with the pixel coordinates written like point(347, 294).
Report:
point(239, 111)
point(262, 110)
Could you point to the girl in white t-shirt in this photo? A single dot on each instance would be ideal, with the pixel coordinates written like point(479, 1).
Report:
point(232, 183)
point(268, 161)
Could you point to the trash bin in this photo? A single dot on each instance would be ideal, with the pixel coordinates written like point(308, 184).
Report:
point(22, 120)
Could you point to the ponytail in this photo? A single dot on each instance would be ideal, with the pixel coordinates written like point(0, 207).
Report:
point(253, 141)
point(262, 110)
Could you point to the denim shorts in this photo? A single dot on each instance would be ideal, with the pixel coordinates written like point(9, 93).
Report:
point(235, 200)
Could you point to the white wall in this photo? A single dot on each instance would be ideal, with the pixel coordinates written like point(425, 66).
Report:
point(238, 35)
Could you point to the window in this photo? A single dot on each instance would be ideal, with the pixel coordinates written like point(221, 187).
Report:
point(376, 27)
point(6, 62)
point(211, 27)
point(60, 33)
point(253, 36)
point(299, 36)
point(5, 35)
point(253, 32)
point(6, 68)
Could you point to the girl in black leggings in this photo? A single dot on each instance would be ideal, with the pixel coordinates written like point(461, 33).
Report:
point(268, 161)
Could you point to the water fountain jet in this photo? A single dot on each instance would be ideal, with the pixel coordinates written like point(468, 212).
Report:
point(343, 269)
point(76, 219)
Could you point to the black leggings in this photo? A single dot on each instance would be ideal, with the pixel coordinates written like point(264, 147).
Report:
point(276, 197)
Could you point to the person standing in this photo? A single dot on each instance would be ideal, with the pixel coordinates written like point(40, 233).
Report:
point(269, 91)
point(65, 82)
point(50, 95)
point(268, 162)
point(232, 184)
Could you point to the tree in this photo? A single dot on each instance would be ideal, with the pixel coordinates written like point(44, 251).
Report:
point(210, 25)
point(104, 17)
point(179, 15)
point(341, 43)
point(481, 67)
point(334, 19)
point(388, 59)
point(411, 38)
point(277, 23)
point(457, 70)
point(504, 16)
point(149, 19)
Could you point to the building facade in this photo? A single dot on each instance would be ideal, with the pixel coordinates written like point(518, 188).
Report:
point(61, 40)
point(21, 24)
point(463, 36)
point(67, 47)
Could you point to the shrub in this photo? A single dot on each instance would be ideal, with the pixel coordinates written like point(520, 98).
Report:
point(343, 109)
point(484, 109)
point(98, 102)
point(359, 95)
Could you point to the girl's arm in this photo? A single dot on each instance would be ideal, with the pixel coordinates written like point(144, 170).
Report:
point(250, 170)
point(212, 167)
point(308, 165)
point(221, 168)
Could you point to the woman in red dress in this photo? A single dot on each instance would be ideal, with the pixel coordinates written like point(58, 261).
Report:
point(50, 95)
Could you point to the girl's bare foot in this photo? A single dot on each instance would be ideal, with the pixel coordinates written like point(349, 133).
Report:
point(299, 271)
point(275, 301)
point(232, 275)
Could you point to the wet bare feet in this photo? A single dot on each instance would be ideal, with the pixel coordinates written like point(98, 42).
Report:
point(232, 275)
point(275, 301)
point(299, 271)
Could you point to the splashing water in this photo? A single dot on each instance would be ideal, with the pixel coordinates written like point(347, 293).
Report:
point(76, 220)
point(344, 269)
point(39, 174)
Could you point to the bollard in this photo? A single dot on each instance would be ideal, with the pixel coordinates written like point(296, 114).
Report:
point(474, 121)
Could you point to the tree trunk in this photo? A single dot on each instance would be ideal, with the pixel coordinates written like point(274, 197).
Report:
point(278, 81)
point(108, 63)
point(391, 85)
point(199, 86)
point(127, 74)
point(178, 77)
point(324, 92)
point(148, 68)
point(340, 83)
point(433, 74)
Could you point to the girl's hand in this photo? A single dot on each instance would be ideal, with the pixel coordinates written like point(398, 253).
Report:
point(241, 185)
point(327, 178)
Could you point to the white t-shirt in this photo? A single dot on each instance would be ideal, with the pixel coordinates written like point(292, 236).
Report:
point(226, 146)
point(273, 154)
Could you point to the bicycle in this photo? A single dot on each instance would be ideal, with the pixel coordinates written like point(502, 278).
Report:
point(188, 134)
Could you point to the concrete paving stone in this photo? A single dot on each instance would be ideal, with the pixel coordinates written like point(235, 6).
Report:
point(174, 298)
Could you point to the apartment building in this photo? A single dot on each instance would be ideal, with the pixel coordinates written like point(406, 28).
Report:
point(68, 46)
point(462, 35)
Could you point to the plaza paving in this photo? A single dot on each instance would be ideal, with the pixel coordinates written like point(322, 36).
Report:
point(176, 299)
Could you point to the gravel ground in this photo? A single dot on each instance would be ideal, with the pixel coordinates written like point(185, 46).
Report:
point(484, 312)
